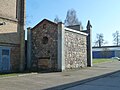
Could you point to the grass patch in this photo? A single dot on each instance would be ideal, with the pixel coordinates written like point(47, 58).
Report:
point(7, 75)
point(15, 74)
point(95, 61)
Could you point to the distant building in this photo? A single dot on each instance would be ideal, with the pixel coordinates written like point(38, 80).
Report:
point(54, 47)
point(12, 13)
point(106, 52)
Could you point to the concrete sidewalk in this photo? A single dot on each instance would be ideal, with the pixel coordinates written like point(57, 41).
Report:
point(59, 80)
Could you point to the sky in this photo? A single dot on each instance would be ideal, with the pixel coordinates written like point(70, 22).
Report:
point(104, 15)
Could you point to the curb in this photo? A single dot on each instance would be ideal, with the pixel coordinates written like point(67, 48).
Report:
point(19, 75)
point(27, 74)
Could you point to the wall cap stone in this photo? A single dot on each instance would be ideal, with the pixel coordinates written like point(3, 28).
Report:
point(75, 31)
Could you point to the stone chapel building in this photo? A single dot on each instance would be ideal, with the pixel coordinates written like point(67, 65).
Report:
point(54, 47)
point(12, 13)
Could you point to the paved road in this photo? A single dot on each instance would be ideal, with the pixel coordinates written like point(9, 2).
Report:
point(110, 82)
point(65, 80)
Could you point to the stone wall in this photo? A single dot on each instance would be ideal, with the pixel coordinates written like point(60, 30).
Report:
point(75, 50)
point(44, 46)
point(15, 58)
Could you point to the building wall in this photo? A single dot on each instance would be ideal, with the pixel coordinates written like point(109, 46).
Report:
point(117, 53)
point(15, 58)
point(44, 52)
point(12, 33)
point(8, 8)
point(8, 32)
point(106, 52)
point(75, 50)
point(103, 54)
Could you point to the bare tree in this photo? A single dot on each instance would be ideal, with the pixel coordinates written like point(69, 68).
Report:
point(56, 20)
point(100, 40)
point(71, 18)
point(116, 38)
